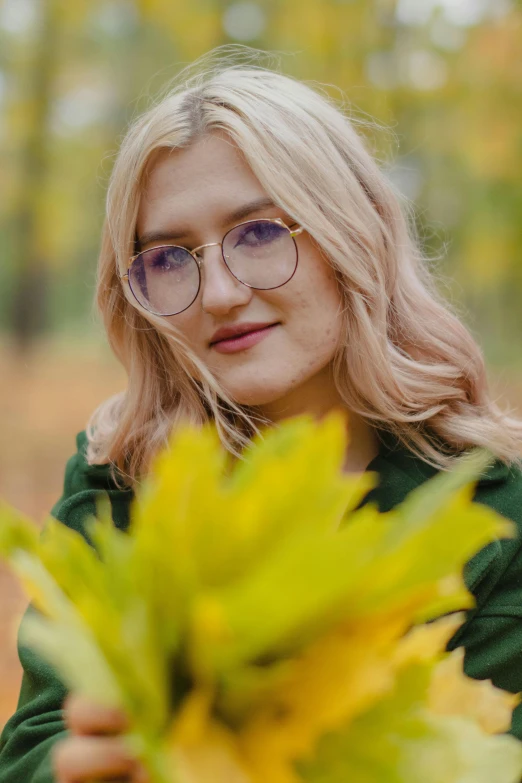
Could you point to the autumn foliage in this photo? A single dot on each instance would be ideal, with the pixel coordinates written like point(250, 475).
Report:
point(256, 623)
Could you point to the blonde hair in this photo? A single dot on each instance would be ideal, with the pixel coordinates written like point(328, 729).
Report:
point(408, 365)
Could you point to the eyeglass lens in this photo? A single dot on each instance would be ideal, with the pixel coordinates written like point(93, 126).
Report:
point(260, 254)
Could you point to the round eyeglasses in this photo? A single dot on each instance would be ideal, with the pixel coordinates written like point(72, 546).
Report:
point(261, 254)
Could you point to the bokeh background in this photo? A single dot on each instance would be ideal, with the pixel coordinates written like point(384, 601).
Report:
point(441, 78)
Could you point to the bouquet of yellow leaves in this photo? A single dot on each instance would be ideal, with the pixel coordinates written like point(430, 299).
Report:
point(258, 627)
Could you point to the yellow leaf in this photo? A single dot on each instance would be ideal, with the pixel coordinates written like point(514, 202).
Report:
point(209, 756)
point(452, 693)
point(426, 642)
point(337, 677)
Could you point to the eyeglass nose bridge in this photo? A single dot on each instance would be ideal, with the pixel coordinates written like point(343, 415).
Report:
point(194, 251)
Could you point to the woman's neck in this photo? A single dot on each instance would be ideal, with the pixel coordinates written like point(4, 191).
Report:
point(363, 445)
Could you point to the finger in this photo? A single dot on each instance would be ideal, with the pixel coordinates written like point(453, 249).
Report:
point(84, 717)
point(140, 775)
point(81, 759)
point(119, 779)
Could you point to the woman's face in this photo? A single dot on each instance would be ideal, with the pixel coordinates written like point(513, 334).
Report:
point(190, 199)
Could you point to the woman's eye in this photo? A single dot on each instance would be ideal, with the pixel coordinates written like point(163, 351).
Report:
point(160, 263)
point(260, 233)
point(169, 260)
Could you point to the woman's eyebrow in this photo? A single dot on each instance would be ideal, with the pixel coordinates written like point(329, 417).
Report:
point(238, 214)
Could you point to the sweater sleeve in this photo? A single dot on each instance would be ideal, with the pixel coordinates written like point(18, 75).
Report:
point(30, 734)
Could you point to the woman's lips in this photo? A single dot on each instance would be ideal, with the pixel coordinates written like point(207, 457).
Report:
point(242, 341)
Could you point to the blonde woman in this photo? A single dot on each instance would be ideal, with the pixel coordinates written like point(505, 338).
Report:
point(256, 264)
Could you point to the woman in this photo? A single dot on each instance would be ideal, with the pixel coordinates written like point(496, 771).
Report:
point(255, 265)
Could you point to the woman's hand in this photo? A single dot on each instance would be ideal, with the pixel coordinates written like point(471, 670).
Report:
point(94, 751)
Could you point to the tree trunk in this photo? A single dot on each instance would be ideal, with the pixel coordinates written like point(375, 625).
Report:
point(29, 302)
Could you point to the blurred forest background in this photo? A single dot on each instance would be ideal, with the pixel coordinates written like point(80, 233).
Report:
point(444, 78)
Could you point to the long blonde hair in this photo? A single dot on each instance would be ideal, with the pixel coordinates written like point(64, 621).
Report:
point(407, 365)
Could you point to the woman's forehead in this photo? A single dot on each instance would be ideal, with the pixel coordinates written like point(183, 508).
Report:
point(201, 162)
point(209, 180)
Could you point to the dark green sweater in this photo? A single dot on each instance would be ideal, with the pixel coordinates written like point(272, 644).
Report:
point(491, 635)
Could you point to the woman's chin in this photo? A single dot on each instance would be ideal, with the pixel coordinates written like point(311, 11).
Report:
point(255, 396)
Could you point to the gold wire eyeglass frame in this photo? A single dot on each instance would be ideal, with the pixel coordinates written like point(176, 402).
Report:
point(293, 232)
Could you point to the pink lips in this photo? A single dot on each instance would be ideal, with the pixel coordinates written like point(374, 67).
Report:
point(240, 339)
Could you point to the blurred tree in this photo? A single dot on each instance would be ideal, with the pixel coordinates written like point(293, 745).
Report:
point(445, 75)
point(29, 290)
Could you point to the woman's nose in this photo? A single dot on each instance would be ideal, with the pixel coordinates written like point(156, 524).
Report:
point(220, 290)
